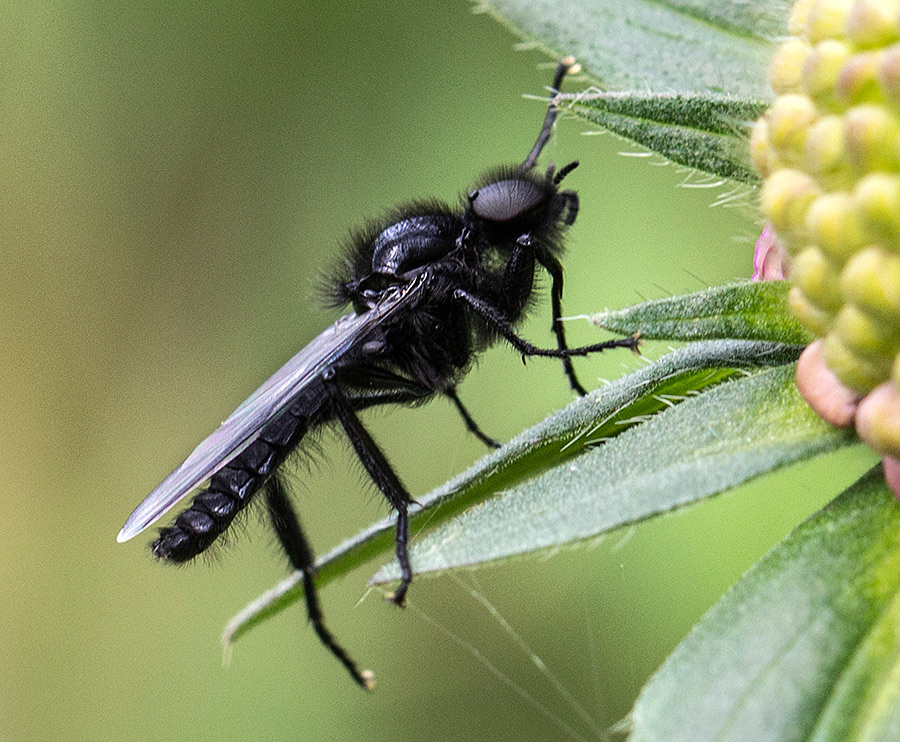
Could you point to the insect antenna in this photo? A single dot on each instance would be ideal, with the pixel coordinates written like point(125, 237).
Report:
point(562, 69)
point(563, 172)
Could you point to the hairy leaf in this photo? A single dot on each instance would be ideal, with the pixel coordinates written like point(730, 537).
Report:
point(702, 131)
point(805, 647)
point(739, 311)
point(666, 46)
point(707, 444)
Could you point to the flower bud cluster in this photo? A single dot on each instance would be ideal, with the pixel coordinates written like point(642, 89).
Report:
point(829, 152)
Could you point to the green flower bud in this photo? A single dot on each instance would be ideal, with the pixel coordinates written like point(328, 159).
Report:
point(871, 281)
point(760, 152)
point(859, 373)
point(827, 19)
point(865, 335)
point(825, 154)
point(871, 134)
point(790, 119)
point(818, 278)
point(815, 318)
point(873, 23)
point(786, 196)
point(857, 80)
point(835, 225)
point(877, 197)
point(799, 17)
point(889, 75)
point(786, 69)
point(820, 72)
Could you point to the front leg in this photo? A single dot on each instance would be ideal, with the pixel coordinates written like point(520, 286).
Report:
point(554, 268)
point(497, 321)
point(518, 277)
point(518, 280)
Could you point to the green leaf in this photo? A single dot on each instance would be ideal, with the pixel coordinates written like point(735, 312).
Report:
point(804, 647)
point(702, 131)
point(561, 437)
point(738, 311)
point(701, 447)
point(669, 46)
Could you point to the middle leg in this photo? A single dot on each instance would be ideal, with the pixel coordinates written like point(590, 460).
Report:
point(379, 469)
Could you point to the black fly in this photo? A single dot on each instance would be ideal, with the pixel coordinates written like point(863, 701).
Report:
point(430, 287)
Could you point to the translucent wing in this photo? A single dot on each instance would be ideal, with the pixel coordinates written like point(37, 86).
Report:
point(263, 406)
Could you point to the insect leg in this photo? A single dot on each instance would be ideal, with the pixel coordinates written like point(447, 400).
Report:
point(469, 420)
point(495, 319)
point(379, 469)
point(517, 283)
point(546, 130)
point(293, 540)
point(371, 385)
point(554, 268)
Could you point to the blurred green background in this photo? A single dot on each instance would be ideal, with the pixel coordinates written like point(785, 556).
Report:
point(172, 177)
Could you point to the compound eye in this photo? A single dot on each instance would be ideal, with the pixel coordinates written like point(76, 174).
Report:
point(506, 200)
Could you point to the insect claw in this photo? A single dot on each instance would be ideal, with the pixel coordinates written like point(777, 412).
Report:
point(397, 597)
point(368, 680)
point(636, 346)
point(572, 67)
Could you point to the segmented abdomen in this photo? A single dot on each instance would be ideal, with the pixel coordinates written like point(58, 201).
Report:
point(230, 490)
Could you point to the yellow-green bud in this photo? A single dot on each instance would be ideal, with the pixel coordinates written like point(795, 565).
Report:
point(818, 279)
point(857, 372)
point(834, 225)
point(820, 72)
point(786, 69)
point(873, 22)
point(786, 195)
point(889, 75)
point(799, 17)
point(877, 197)
point(857, 80)
point(871, 133)
point(826, 19)
point(825, 154)
point(760, 152)
point(871, 281)
point(790, 118)
point(816, 319)
point(865, 335)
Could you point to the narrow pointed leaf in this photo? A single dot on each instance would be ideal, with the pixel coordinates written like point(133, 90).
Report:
point(704, 446)
point(698, 46)
point(738, 311)
point(805, 647)
point(561, 437)
point(699, 130)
